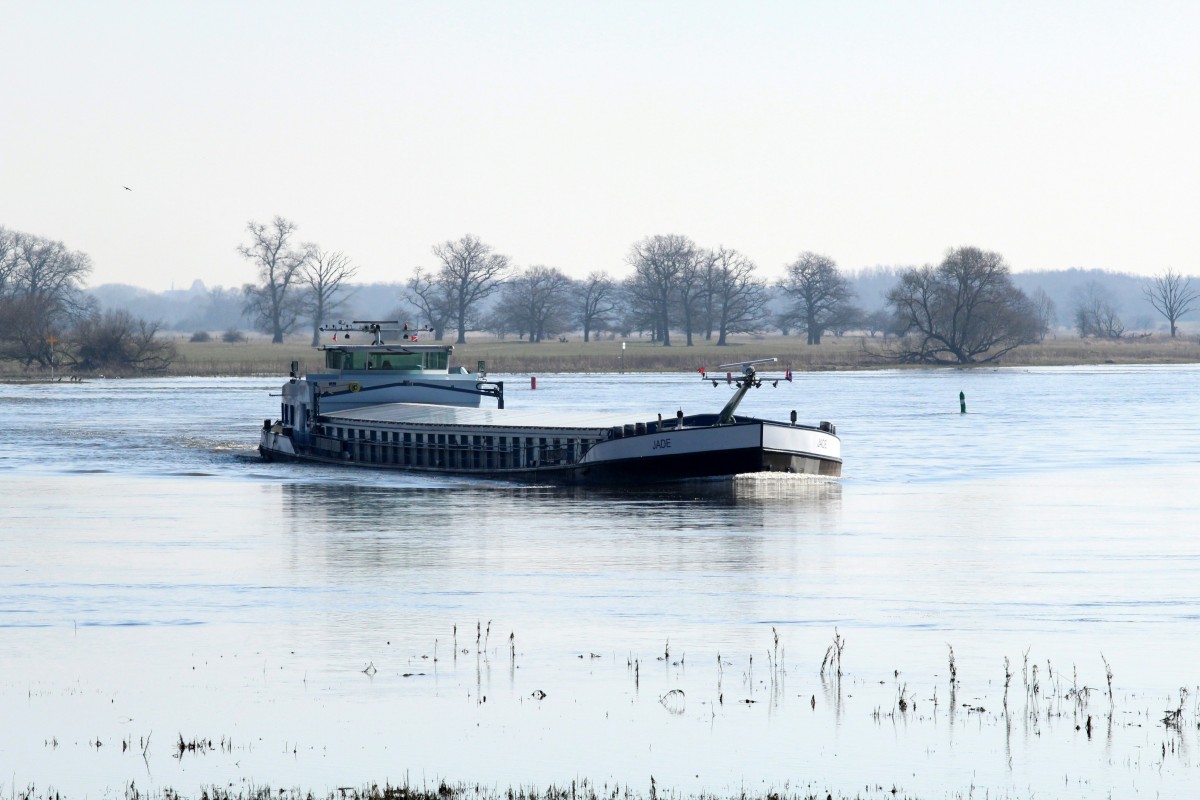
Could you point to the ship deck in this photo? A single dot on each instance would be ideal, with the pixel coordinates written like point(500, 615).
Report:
point(428, 414)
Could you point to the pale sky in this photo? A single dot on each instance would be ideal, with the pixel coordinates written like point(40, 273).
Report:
point(1058, 133)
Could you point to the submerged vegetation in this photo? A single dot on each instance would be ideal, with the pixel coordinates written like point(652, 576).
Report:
point(576, 790)
point(1051, 704)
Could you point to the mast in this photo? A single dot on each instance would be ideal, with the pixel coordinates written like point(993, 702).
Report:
point(745, 381)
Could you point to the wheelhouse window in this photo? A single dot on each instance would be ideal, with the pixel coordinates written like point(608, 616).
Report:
point(359, 360)
point(345, 359)
point(395, 361)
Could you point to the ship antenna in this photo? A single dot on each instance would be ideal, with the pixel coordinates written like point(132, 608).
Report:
point(746, 381)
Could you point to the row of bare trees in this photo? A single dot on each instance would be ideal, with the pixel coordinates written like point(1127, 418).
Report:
point(296, 281)
point(674, 283)
point(469, 273)
point(46, 320)
point(714, 292)
point(675, 286)
point(539, 301)
point(1096, 313)
point(964, 310)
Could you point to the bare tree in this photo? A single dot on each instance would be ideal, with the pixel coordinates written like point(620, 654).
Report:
point(40, 296)
point(1045, 311)
point(847, 317)
point(8, 258)
point(659, 263)
point(274, 301)
point(471, 272)
point(1097, 312)
point(737, 297)
point(46, 270)
point(430, 296)
point(964, 311)
point(642, 310)
point(780, 310)
point(498, 322)
point(819, 293)
point(534, 302)
point(1172, 295)
point(324, 274)
point(594, 298)
point(692, 289)
point(879, 321)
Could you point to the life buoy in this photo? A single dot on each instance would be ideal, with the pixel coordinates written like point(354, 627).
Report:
point(355, 386)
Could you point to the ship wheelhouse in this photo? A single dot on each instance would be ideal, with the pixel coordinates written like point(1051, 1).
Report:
point(387, 359)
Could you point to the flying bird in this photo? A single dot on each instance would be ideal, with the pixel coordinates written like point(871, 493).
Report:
point(128, 189)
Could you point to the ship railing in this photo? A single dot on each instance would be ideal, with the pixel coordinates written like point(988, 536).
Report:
point(562, 453)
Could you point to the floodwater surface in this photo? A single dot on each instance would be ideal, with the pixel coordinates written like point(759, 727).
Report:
point(317, 627)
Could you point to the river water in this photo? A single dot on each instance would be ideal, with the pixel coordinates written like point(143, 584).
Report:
point(315, 628)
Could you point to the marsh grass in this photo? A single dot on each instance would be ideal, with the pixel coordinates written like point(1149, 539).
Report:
point(1182, 716)
point(849, 353)
point(582, 789)
point(1108, 676)
point(833, 655)
point(1007, 680)
point(1174, 716)
point(257, 356)
point(846, 353)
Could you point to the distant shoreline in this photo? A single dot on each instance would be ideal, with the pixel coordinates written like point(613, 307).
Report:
point(509, 356)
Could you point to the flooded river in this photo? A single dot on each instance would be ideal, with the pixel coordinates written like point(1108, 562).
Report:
point(314, 628)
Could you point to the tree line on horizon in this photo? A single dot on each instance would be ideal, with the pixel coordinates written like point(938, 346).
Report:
point(966, 309)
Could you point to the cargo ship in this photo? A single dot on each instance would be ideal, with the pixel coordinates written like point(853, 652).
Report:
point(402, 405)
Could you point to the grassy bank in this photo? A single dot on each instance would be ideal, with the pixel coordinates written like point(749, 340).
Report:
point(260, 357)
point(510, 356)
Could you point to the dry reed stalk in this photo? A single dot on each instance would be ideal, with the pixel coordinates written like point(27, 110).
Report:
point(833, 655)
point(720, 679)
point(1108, 675)
point(1007, 680)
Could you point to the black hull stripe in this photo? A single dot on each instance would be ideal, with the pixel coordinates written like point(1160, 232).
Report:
point(647, 469)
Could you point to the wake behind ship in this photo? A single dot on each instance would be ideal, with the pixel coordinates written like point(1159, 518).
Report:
point(401, 405)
